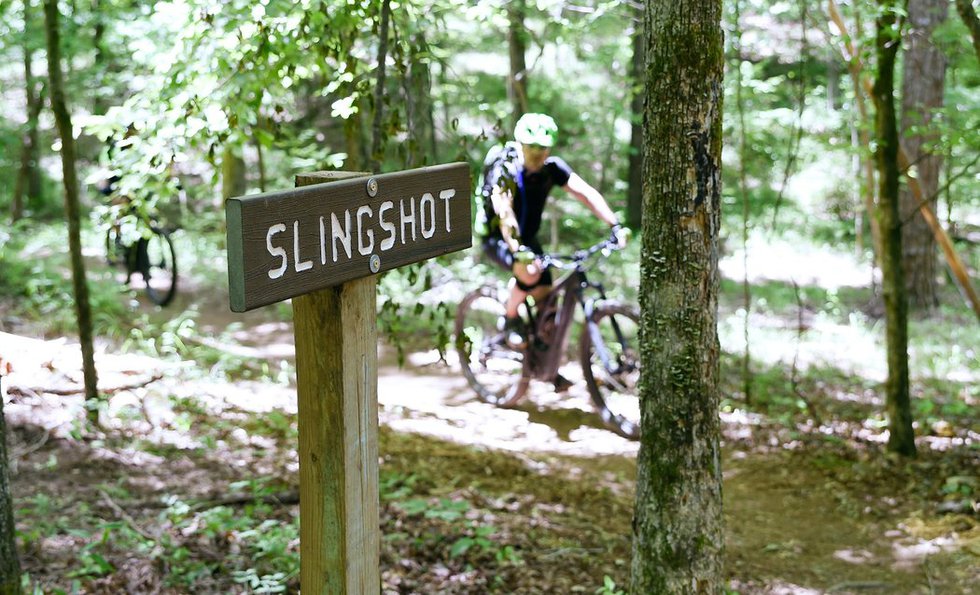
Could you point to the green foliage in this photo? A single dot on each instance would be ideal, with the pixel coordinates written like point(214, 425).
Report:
point(465, 536)
point(961, 487)
point(267, 583)
point(609, 587)
point(10, 143)
point(265, 554)
point(33, 277)
point(408, 309)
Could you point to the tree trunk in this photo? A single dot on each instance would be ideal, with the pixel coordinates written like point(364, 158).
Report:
point(260, 155)
point(516, 34)
point(969, 16)
point(72, 211)
point(418, 103)
point(98, 37)
point(233, 181)
point(901, 438)
point(354, 141)
point(634, 199)
point(833, 81)
point(922, 94)
point(677, 527)
point(9, 563)
point(29, 177)
point(377, 148)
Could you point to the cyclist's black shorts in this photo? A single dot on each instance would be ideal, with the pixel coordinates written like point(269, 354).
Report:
point(497, 249)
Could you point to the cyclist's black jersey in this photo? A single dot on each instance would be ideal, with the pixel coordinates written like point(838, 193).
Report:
point(503, 167)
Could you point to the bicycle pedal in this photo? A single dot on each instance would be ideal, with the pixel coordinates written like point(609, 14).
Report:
point(562, 384)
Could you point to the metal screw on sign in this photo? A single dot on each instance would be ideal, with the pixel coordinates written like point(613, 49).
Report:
point(375, 263)
point(372, 187)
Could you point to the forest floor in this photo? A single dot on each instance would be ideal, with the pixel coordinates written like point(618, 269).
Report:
point(191, 484)
point(538, 499)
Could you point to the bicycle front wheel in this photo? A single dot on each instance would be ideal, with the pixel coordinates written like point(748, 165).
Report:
point(611, 365)
point(158, 264)
point(499, 374)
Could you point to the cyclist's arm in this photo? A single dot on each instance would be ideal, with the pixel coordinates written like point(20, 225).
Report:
point(504, 207)
point(591, 198)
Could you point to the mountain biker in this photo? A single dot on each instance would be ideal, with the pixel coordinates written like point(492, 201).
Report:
point(517, 179)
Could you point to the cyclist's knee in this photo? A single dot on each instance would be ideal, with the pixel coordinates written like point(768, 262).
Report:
point(527, 274)
point(540, 292)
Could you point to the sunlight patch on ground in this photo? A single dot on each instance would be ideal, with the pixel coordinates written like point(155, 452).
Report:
point(439, 403)
point(916, 539)
point(786, 260)
point(824, 343)
point(256, 397)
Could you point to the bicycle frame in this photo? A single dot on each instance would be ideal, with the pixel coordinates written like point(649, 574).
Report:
point(552, 323)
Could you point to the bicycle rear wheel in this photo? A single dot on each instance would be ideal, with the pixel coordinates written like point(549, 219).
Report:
point(158, 265)
point(498, 373)
point(611, 365)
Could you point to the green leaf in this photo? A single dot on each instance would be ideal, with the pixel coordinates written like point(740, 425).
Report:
point(460, 547)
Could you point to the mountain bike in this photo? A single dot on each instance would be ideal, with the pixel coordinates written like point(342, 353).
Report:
point(152, 255)
point(608, 342)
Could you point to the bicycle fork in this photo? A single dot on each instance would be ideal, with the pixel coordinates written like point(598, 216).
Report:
point(595, 336)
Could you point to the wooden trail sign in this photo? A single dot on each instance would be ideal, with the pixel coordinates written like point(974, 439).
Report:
point(334, 309)
point(287, 243)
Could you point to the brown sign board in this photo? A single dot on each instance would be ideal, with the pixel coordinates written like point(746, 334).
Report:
point(287, 243)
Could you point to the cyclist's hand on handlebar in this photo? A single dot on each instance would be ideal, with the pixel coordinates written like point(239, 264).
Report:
point(619, 236)
point(525, 255)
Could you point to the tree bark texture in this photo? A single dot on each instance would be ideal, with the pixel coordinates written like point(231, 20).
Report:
point(354, 140)
point(922, 93)
point(377, 149)
point(98, 42)
point(260, 157)
point(969, 16)
point(29, 177)
point(233, 179)
point(9, 563)
point(517, 47)
point(418, 103)
point(72, 211)
point(901, 438)
point(677, 526)
point(634, 199)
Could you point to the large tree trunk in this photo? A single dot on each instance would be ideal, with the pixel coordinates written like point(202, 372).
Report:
point(517, 46)
point(72, 212)
point(922, 93)
point(677, 528)
point(9, 563)
point(29, 177)
point(634, 199)
point(901, 438)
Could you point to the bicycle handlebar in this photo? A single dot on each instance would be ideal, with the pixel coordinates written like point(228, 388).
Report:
point(562, 262)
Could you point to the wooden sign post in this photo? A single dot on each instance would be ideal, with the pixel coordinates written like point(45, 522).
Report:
point(322, 244)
